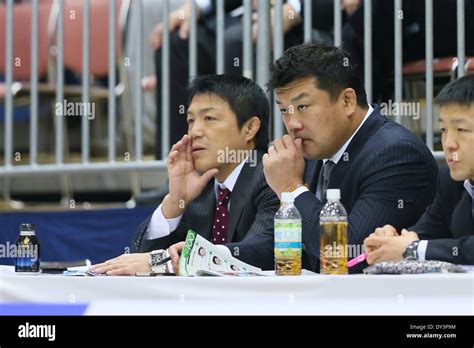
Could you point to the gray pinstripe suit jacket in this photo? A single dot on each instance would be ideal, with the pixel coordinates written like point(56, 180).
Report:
point(253, 205)
point(389, 177)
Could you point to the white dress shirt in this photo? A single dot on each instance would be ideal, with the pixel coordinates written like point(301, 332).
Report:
point(160, 227)
point(337, 156)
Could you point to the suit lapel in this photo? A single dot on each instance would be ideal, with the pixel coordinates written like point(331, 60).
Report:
point(461, 219)
point(239, 198)
point(370, 126)
point(312, 173)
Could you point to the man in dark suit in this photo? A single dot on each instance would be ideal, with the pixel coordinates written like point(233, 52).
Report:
point(385, 173)
point(445, 232)
point(227, 134)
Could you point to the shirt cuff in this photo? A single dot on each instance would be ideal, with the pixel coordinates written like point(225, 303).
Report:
point(159, 226)
point(421, 250)
point(299, 191)
point(169, 266)
point(296, 4)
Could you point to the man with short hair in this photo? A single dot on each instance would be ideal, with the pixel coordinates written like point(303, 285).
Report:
point(227, 135)
point(336, 140)
point(445, 232)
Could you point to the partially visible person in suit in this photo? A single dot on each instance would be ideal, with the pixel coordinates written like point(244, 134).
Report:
point(445, 232)
point(227, 135)
point(179, 24)
point(336, 140)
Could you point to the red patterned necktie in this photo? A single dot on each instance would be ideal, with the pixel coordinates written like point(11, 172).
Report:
point(221, 217)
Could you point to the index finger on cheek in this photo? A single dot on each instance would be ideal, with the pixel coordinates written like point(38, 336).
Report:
point(289, 143)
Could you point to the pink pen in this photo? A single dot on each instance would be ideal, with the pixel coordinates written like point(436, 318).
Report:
point(357, 260)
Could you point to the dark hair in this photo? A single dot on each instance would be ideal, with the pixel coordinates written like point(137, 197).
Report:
point(459, 91)
point(331, 66)
point(245, 98)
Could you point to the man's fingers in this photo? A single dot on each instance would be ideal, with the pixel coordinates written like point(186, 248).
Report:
point(390, 230)
point(288, 142)
point(108, 268)
point(175, 266)
point(380, 232)
point(174, 252)
point(374, 256)
point(120, 271)
point(175, 261)
point(368, 247)
point(99, 265)
point(299, 146)
point(204, 179)
point(279, 145)
point(179, 146)
point(189, 149)
point(271, 152)
point(375, 241)
point(411, 234)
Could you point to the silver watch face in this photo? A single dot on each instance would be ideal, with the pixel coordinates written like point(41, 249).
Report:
point(156, 256)
point(410, 252)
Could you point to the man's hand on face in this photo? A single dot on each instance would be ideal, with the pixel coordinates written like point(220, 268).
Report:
point(388, 248)
point(126, 264)
point(175, 251)
point(185, 183)
point(283, 165)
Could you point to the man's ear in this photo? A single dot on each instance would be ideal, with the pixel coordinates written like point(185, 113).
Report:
point(349, 100)
point(250, 128)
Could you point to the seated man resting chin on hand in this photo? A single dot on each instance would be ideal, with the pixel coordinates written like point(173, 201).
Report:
point(445, 232)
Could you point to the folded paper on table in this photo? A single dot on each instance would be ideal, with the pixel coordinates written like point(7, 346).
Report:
point(201, 257)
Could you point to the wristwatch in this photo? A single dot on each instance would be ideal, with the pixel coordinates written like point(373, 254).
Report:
point(411, 252)
point(155, 259)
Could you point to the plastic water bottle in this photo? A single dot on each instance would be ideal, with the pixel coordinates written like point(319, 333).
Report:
point(333, 246)
point(287, 237)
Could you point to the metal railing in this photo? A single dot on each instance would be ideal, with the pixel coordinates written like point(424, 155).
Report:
point(264, 54)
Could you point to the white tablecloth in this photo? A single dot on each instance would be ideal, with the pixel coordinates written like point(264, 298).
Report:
point(444, 294)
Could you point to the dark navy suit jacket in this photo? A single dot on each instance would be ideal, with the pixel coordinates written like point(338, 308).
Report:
point(386, 176)
point(448, 223)
point(253, 205)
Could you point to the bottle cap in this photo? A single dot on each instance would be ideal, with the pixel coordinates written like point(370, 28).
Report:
point(27, 227)
point(333, 194)
point(287, 197)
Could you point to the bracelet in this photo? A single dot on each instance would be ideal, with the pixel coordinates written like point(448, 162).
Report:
point(294, 187)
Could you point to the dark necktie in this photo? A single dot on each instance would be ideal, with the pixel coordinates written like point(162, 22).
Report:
point(324, 176)
point(221, 217)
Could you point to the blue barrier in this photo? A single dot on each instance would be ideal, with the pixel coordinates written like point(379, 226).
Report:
point(97, 235)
